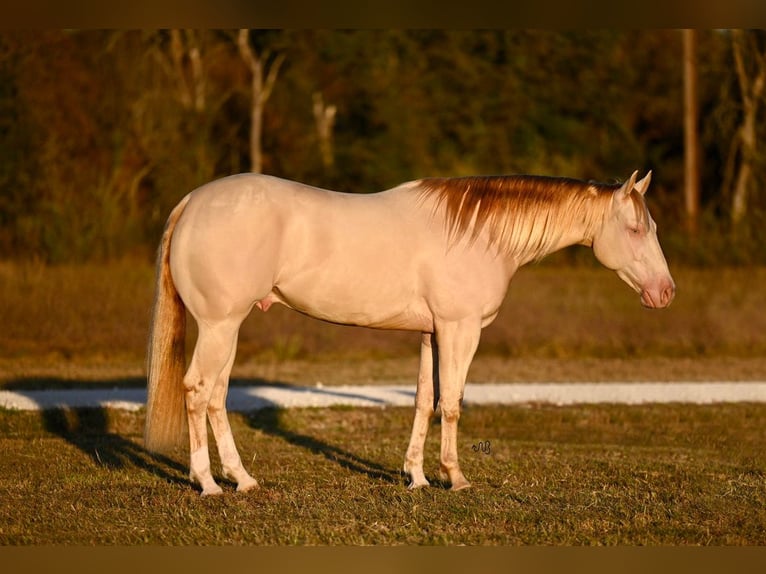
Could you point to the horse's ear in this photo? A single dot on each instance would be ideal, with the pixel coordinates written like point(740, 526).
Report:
point(643, 185)
point(628, 186)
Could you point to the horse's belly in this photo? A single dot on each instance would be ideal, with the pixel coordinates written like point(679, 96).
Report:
point(366, 308)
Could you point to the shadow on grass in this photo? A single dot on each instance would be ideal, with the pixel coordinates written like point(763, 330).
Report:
point(60, 383)
point(45, 383)
point(269, 421)
point(89, 430)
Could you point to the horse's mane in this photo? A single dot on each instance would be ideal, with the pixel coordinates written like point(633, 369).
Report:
point(524, 215)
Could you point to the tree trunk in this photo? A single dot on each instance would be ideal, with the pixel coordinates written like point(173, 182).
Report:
point(739, 198)
point(256, 118)
point(691, 134)
point(261, 91)
point(325, 120)
point(191, 83)
point(751, 93)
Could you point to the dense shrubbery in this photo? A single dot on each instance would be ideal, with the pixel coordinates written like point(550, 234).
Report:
point(102, 132)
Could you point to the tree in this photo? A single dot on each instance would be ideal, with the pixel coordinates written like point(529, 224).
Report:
point(261, 91)
point(324, 116)
point(101, 132)
point(691, 133)
point(184, 45)
point(750, 64)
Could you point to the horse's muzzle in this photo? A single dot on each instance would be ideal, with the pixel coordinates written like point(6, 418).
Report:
point(660, 296)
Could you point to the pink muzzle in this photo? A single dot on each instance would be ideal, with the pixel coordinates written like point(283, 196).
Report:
point(660, 295)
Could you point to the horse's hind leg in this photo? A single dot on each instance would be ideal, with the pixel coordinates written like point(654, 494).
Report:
point(219, 421)
point(424, 410)
point(210, 363)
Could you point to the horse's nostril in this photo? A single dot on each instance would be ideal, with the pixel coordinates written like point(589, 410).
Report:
point(667, 296)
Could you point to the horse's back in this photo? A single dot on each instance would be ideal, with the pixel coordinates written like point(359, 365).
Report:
point(250, 210)
point(242, 235)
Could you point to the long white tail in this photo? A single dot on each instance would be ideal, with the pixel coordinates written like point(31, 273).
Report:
point(166, 355)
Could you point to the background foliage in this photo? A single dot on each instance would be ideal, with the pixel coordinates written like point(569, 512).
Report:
point(101, 132)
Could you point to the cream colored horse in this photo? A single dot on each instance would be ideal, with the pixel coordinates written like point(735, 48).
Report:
point(434, 256)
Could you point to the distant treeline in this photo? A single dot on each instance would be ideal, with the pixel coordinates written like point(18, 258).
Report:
point(101, 132)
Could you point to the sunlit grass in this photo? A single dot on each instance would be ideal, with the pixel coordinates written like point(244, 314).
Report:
point(92, 314)
point(669, 475)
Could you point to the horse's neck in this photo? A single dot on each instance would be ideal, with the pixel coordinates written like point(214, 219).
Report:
point(579, 231)
point(579, 235)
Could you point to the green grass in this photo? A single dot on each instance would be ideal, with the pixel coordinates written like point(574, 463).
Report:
point(665, 474)
point(591, 475)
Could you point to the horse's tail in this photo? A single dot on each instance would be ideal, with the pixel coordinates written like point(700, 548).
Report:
point(166, 354)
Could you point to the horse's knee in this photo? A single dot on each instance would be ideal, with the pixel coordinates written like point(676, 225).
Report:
point(450, 414)
point(214, 409)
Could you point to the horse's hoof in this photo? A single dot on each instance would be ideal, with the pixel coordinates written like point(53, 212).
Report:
point(246, 485)
point(418, 485)
point(460, 486)
point(214, 490)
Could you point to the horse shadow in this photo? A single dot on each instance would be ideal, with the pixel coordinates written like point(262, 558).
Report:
point(270, 421)
point(89, 429)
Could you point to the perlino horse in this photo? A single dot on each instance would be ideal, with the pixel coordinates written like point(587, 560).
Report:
point(433, 255)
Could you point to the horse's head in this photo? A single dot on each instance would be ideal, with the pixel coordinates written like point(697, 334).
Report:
point(627, 243)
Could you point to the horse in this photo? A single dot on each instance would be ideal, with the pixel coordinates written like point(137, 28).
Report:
point(434, 255)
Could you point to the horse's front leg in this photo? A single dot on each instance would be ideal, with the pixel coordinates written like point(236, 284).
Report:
point(424, 410)
point(457, 344)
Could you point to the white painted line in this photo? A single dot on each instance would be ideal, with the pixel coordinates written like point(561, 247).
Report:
point(256, 397)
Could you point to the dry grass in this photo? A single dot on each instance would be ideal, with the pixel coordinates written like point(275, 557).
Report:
point(75, 313)
point(673, 474)
point(592, 475)
point(89, 323)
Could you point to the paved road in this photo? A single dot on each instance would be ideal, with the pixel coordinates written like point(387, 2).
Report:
point(257, 397)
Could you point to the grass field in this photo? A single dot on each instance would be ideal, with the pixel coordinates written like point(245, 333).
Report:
point(663, 474)
point(607, 475)
point(89, 323)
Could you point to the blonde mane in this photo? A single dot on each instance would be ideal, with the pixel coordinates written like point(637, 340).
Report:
point(524, 215)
